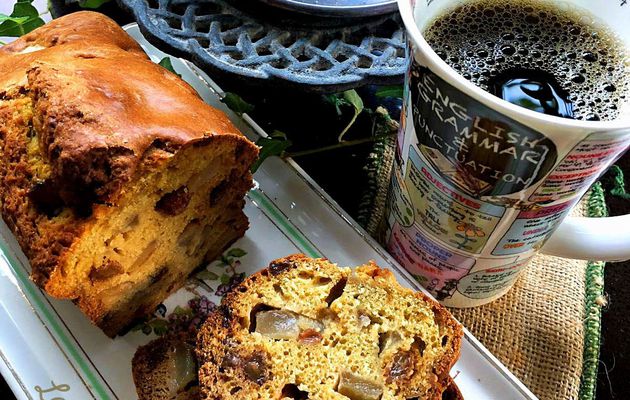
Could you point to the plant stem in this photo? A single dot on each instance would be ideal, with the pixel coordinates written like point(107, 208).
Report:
point(232, 268)
point(338, 146)
point(354, 118)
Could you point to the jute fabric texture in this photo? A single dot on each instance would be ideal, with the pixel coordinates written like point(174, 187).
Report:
point(537, 328)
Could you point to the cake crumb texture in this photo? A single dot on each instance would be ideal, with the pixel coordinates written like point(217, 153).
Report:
point(305, 328)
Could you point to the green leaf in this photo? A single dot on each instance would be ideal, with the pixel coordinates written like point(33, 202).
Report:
point(236, 252)
point(389, 91)
point(22, 20)
point(182, 311)
point(225, 278)
point(207, 275)
point(236, 103)
point(276, 134)
point(138, 326)
point(352, 97)
point(160, 326)
point(17, 20)
point(92, 3)
point(270, 146)
point(336, 100)
point(168, 64)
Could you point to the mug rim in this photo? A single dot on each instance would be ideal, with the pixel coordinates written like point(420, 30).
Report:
point(496, 103)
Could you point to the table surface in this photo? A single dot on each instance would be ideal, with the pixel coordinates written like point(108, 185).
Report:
point(340, 172)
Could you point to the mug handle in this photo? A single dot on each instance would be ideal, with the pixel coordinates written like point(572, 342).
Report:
point(583, 238)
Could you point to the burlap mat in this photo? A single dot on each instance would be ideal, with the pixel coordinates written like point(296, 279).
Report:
point(537, 328)
point(546, 329)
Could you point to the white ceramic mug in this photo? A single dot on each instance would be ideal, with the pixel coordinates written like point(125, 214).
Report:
point(466, 236)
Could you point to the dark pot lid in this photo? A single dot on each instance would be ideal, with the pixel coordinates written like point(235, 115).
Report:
point(338, 8)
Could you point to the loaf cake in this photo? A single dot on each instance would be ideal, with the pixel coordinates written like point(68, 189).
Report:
point(304, 328)
point(115, 177)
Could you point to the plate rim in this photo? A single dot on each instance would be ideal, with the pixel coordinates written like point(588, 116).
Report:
point(12, 376)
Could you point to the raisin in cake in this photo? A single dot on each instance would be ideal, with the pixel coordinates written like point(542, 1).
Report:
point(304, 328)
point(115, 177)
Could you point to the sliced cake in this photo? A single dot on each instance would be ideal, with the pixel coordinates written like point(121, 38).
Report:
point(305, 329)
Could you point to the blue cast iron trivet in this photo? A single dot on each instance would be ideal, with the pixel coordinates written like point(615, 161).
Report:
point(315, 53)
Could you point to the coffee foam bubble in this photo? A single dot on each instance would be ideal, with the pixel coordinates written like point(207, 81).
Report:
point(487, 38)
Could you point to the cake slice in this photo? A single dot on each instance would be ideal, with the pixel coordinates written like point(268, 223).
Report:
point(115, 177)
point(451, 393)
point(304, 328)
point(166, 369)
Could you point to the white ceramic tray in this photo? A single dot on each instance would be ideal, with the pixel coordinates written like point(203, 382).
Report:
point(49, 350)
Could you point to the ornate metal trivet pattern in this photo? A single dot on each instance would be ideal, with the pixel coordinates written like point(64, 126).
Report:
point(319, 54)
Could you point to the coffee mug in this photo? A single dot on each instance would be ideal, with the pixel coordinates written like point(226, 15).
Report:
point(466, 226)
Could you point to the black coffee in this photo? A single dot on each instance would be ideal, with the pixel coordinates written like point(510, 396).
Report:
point(534, 55)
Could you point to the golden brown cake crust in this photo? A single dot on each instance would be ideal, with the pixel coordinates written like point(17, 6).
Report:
point(452, 392)
point(84, 114)
point(236, 363)
point(79, 26)
point(86, 28)
point(100, 108)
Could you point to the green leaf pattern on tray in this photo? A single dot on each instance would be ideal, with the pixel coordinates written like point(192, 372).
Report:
point(200, 295)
